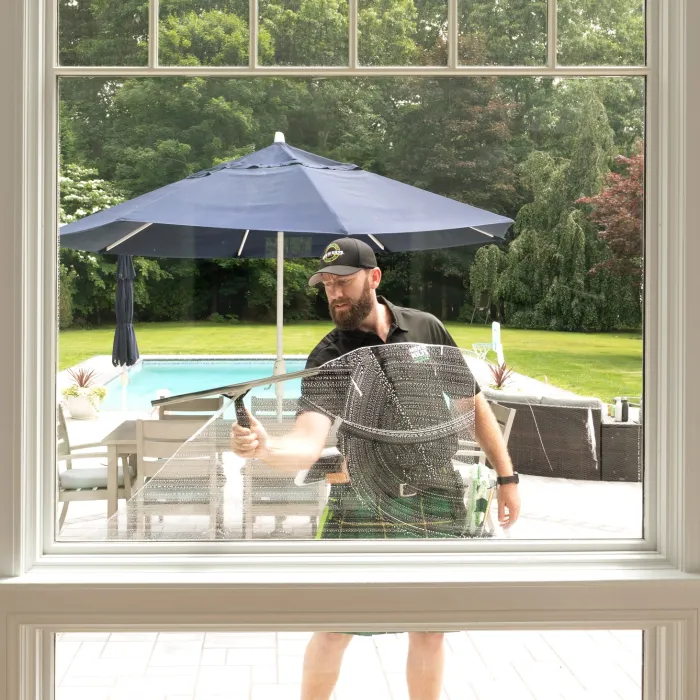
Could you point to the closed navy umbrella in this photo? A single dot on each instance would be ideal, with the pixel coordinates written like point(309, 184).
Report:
point(240, 209)
point(125, 351)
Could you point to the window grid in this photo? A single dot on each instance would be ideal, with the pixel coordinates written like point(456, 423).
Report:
point(353, 68)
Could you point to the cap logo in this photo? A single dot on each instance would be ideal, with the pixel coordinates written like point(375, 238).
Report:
point(332, 253)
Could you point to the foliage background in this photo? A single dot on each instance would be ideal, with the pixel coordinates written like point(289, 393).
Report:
point(561, 157)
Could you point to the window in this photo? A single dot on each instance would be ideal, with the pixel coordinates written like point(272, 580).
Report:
point(662, 601)
point(538, 151)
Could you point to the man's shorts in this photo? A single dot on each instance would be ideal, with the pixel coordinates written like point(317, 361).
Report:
point(424, 516)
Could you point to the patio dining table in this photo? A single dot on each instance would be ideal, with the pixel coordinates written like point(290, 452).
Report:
point(121, 441)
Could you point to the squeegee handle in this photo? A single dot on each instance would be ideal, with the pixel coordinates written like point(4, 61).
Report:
point(241, 413)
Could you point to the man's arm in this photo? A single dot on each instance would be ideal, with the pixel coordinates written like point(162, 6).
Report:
point(490, 437)
point(297, 450)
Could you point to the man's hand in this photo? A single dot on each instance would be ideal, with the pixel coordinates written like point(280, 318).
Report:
point(250, 443)
point(508, 505)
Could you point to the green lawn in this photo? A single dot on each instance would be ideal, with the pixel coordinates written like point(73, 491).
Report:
point(595, 364)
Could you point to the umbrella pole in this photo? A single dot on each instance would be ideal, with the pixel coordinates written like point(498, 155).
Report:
point(279, 361)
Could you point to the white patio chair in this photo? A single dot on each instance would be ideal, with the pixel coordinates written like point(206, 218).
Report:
point(178, 472)
point(271, 492)
point(478, 478)
point(194, 409)
point(84, 483)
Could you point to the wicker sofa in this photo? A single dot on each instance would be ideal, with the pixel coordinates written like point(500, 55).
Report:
point(554, 436)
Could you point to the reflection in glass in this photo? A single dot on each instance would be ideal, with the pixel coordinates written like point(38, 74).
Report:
point(582, 664)
point(206, 33)
point(95, 33)
point(566, 287)
point(600, 34)
point(510, 33)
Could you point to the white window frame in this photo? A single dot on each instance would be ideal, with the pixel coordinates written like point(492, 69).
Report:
point(44, 550)
point(652, 584)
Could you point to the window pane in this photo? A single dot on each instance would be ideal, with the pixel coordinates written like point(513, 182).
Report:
point(402, 32)
point(303, 33)
point(587, 665)
point(94, 33)
point(511, 33)
point(563, 159)
point(208, 33)
point(601, 34)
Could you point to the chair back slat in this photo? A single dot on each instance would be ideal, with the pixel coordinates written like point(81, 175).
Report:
point(194, 409)
point(505, 417)
point(62, 441)
point(159, 441)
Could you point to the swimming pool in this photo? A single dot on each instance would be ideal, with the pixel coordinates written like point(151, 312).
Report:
point(149, 377)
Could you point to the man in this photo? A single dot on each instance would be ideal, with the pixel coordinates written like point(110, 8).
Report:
point(348, 271)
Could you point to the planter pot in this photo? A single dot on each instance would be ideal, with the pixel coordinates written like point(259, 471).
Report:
point(81, 408)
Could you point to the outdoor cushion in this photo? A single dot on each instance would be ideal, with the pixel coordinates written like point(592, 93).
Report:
point(511, 397)
point(562, 400)
point(87, 478)
point(573, 401)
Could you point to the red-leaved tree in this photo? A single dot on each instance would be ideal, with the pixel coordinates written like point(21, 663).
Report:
point(619, 209)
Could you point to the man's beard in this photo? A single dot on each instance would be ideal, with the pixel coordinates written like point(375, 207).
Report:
point(350, 318)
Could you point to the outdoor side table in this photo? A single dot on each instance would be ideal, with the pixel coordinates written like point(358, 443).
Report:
point(621, 451)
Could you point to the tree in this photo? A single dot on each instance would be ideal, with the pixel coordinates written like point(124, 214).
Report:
point(485, 277)
point(83, 277)
point(601, 33)
point(209, 37)
point(103, 33)
point(618, 210)
point(546, 282)
point(87, 280)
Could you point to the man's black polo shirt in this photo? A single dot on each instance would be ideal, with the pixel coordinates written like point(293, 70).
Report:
point(407, 326)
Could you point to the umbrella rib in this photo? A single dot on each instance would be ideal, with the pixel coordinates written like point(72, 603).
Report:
point(127, 237)
point(245, 237)
point(379, 243)
point(486, 233)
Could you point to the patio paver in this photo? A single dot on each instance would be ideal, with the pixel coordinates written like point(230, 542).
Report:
point(485, 665)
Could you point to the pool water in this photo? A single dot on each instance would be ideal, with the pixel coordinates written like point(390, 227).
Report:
point(150, 377)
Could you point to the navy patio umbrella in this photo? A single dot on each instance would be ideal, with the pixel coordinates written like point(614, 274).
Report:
point(244, 208)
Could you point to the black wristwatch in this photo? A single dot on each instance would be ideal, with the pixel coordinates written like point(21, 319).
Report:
point(513, 479)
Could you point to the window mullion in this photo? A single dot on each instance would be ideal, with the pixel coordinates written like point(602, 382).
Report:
point(153, 20)
point(551, 34)
point(452, 33)
point(253, 32)
point(353, 60)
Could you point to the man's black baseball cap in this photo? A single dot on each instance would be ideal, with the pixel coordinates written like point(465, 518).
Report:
point(344, 256)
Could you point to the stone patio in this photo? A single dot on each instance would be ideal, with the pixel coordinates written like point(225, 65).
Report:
point(553, 508)
point(484, 665)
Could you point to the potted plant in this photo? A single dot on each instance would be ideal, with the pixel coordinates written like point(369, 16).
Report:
point(83, 396)
point(501, 375)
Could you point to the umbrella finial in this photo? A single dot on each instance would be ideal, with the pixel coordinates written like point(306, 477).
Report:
point(279, 137)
